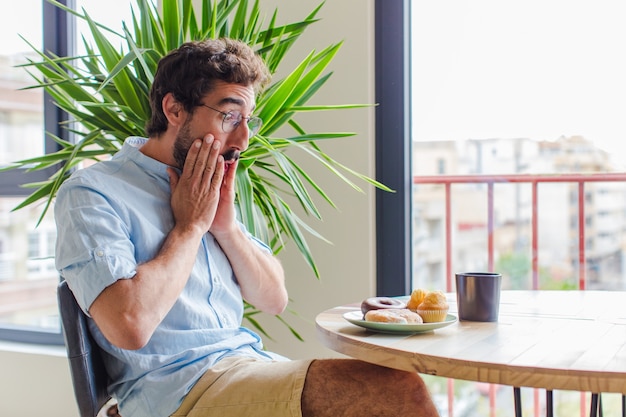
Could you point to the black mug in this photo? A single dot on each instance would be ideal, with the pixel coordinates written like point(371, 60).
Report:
point(478, 295)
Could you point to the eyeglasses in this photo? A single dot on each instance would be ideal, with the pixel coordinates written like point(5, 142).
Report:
point(233, 118)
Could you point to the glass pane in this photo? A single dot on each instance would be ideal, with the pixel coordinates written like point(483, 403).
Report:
point(518, 90)
point(21, 111)
point(487, 71)
point(534, 88)
point(28, 277)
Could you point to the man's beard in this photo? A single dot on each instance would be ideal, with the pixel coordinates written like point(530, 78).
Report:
point(183, 142)
point(181, 145)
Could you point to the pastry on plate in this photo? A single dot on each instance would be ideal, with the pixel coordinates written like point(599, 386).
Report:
point(393, 315)
point(417, 296)
point(434, 307)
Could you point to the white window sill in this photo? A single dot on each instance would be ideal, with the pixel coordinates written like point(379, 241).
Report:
point(33, 349)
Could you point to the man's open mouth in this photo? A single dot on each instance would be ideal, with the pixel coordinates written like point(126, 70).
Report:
point(230, 157)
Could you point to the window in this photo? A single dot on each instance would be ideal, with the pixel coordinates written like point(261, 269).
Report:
point(525, 88)
point(454, 74)
point(441, 166)
point(28, 278)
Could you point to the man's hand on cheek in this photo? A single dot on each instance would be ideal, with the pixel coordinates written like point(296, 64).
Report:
point(196, 192)
point(225, 215)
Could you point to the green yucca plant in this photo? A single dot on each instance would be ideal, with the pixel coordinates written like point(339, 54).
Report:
point(106, 94)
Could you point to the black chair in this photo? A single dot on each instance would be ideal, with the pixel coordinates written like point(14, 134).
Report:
point(89, 376)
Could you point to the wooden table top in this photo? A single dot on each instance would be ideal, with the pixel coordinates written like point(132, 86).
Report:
point(570, 340)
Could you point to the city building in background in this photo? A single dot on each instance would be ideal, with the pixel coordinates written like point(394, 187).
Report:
point(558, 250)
point(28, 277)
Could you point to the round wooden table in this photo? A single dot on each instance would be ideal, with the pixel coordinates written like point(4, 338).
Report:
point(569, 340)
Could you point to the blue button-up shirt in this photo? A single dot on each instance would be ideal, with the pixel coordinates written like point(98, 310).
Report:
point(116, 215)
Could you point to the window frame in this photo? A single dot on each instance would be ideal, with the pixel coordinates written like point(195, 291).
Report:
point(58, 39)
point(393, 147)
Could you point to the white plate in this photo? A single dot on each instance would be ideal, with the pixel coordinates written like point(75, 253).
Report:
point(356, 317)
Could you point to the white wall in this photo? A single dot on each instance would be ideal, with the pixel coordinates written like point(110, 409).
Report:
point(35, 382)
point(40, 383)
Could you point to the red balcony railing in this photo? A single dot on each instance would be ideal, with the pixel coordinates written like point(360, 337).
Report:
point(534, 180)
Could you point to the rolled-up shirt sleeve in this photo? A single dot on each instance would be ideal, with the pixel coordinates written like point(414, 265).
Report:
point(94, 248)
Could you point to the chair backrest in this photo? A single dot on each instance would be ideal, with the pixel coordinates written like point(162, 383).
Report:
point(89, 376)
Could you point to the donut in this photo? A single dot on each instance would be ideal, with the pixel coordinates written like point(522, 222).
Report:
point(393, 315)
point(379, 303)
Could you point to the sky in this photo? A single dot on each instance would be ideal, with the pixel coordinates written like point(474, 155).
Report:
point(109, 12)
point(535, 69)
point(21, 11)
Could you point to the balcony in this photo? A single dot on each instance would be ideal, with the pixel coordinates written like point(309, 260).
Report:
point(484, 218)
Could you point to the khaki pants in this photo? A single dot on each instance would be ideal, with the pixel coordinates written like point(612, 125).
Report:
point(247, 387)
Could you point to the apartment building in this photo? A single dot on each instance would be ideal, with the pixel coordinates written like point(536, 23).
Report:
point(558, 246)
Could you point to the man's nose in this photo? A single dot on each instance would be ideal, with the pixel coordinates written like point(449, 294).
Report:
point(241, 136)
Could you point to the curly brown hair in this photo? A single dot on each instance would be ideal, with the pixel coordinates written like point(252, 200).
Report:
point(189, 72)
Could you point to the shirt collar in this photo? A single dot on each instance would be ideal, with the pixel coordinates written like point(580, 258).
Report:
point(131, 148)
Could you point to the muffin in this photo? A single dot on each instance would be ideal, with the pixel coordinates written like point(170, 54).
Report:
point(417, 296)
point(434, 307)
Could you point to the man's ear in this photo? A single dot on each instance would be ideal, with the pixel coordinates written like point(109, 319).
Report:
point(173, 110)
